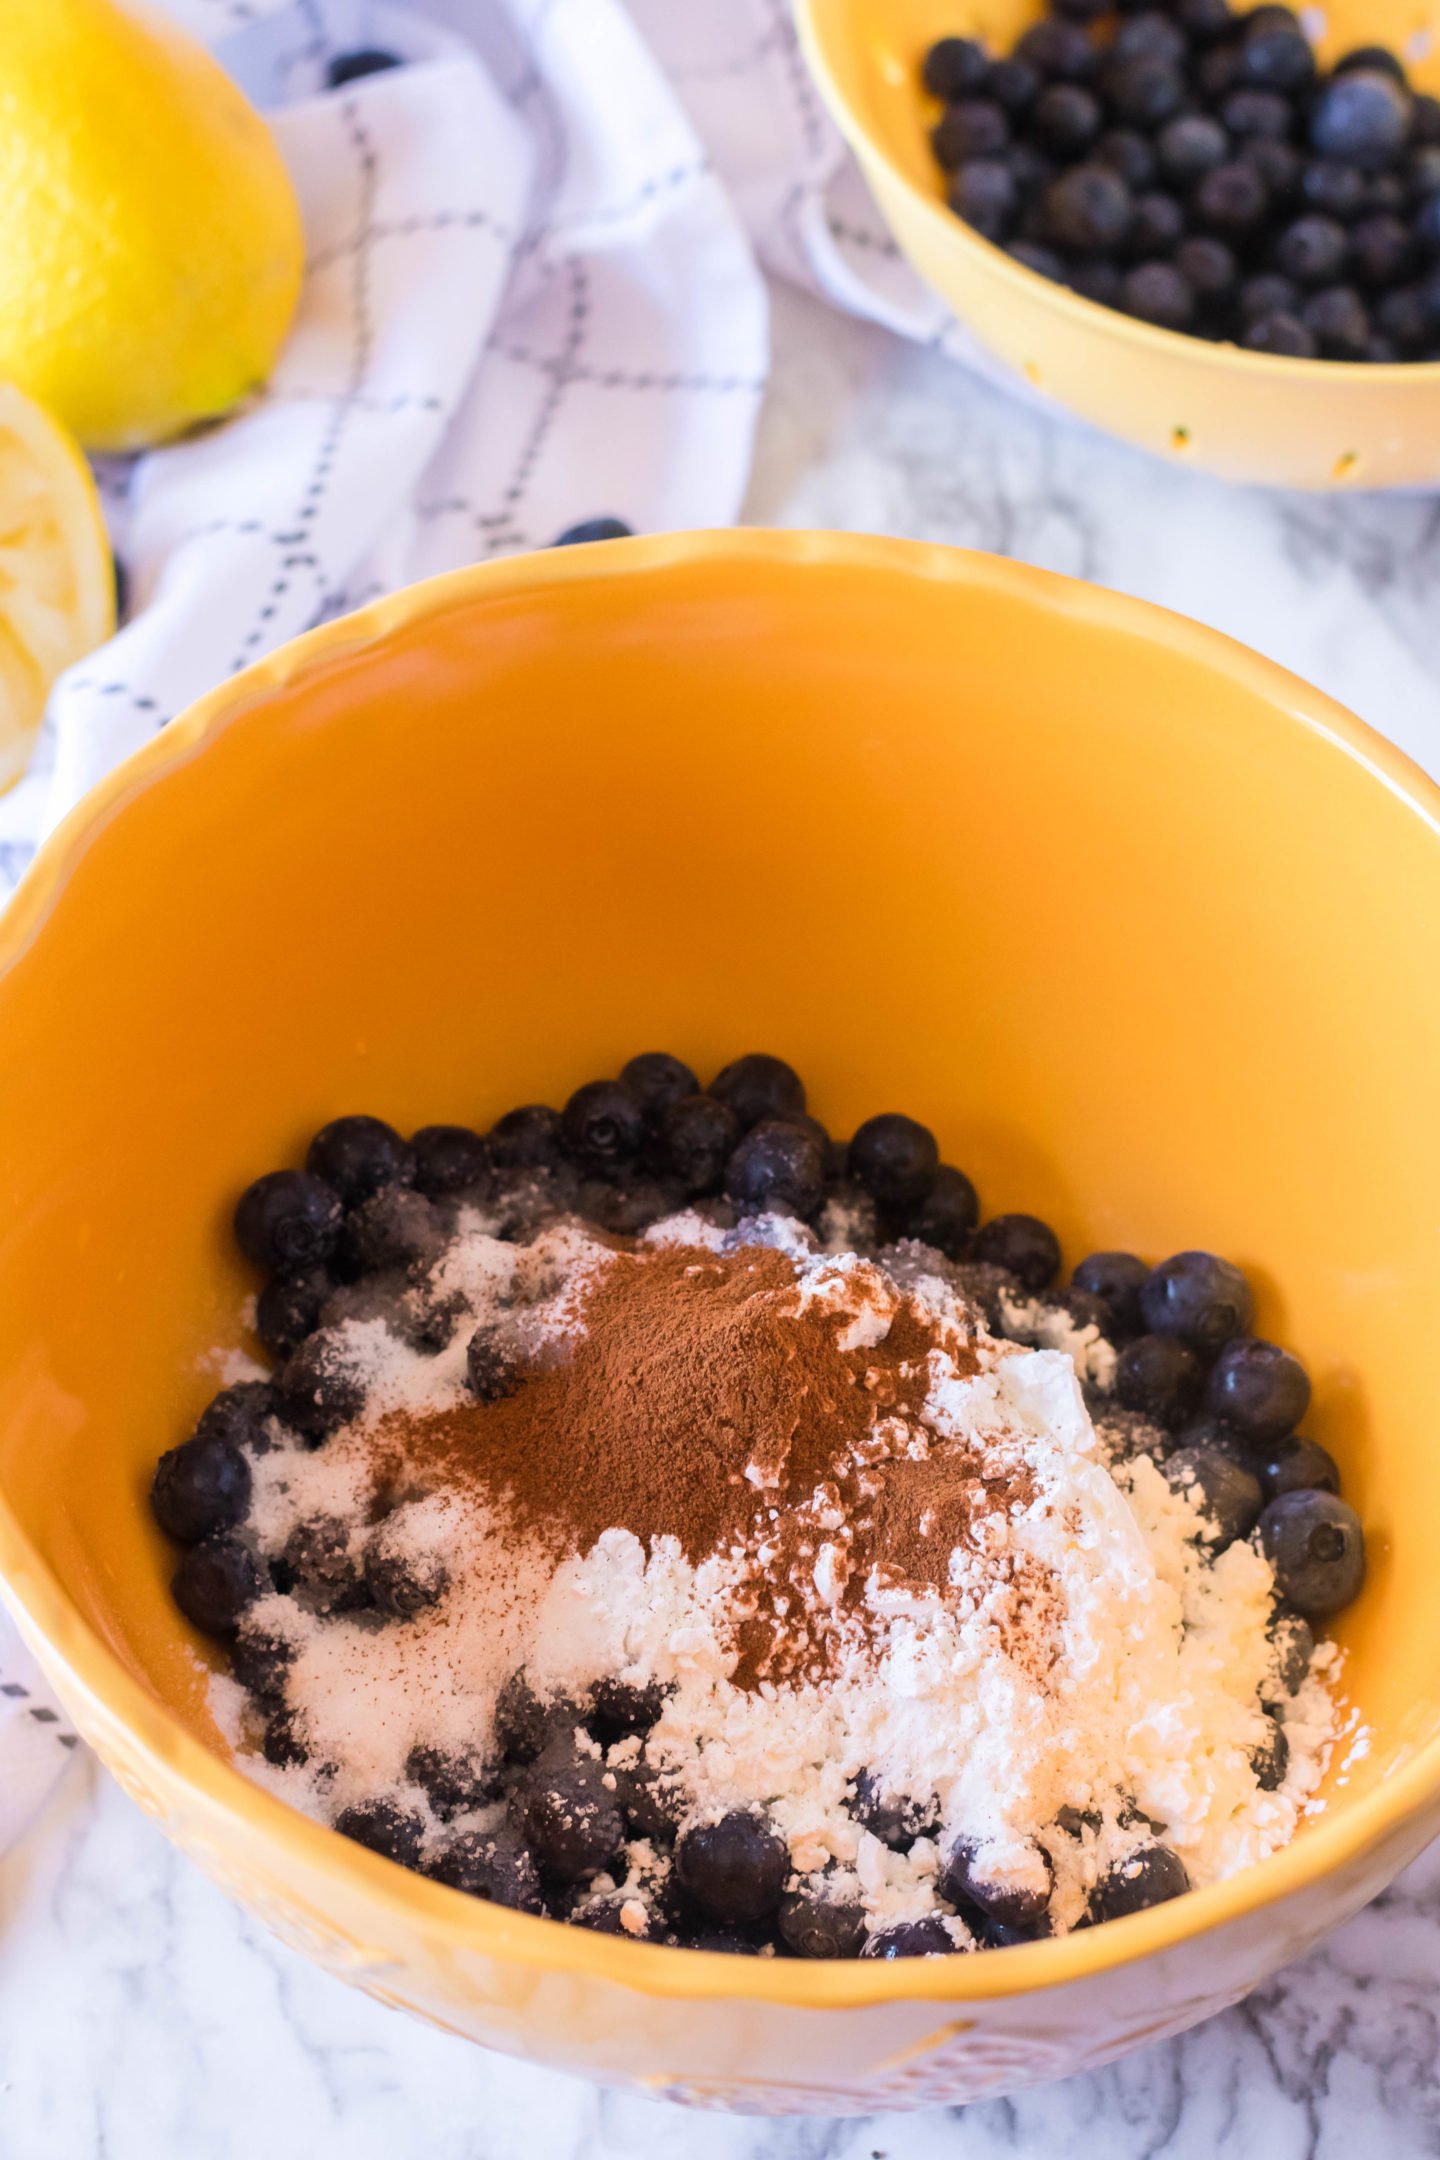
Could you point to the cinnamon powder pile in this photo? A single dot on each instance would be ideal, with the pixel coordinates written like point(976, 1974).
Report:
point(706, 1402)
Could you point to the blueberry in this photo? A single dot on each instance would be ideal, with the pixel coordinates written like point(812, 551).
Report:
point(1229, 1496)
point(1381, 249)
point(524, 1724)
point(1144, 93)
point(1014, 85)
point(1270, 1757)
point(1208, 267)
point(1129, 155)
point(779, 1167)
point(1279, 164)
point(260, 1660)
point(449, 1159)
point(1024, 1245)
point(1080, 11)
point(1297, 1465)
point(241, 1414)
point(1204, 20)
point(1281, 333)
point(403, 1584)
point(1404, 318)
point(1362, 117)
point(1160, 1377)
point(816, 1926)
point(1427, 228)
point(285, 1743)
point(757, 1087)
point(1151, 1875)
point(964, 1881)
point(1276, 57)
point(733, 1869)
point(1386, 193)
point(652, 1802)
point(929, 1937)
point(357, 1155)
point(1334, 189)
point(1190, 146)
point(896, 1821)
point(352, 66)
point(1156, 292)
point(1115, 1278)
point(1257, 116)
point(609, 1916)
point(317, 1562)
point(200, 1488)
point(1424, 123)
point(1221, 1439)
point(525, 1139)
point(318, 1392)
point(954, 67)
point(214, 1583)
point(1316, 1546)
point(1293, 1639)
point(1268, 294)
point(1067, 118)
point(1258, 1388)
point(492, 1367)
point(286, 1221)
point(1230, 199)
point(596, 528)
point(569, 1818)
point(393, 1229)
point(1059, 49)
point(627, 1208)
point(493, 1865)
point(289, 1308)
point(1313, 251)
point(453, 1780)
point(1125, 1434)
point(1218, 71)
point(602, 1126)
point(656, 1080)
point(984, 194)
point(383, 1827)
point(1150, 36)
point(993, 1934)
point(694, 1140)
point(1156, 228)
point(1199, 1298)
point(722, 1942)
point(620, 1707)
point(1042, 260)
point(895, 1159)
point(973, 128)
point(1374, 59)
point(1098, 281)
point(947, 1214)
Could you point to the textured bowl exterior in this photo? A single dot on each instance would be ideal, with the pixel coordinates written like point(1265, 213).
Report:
point(1245, 416)
point(1147, 929)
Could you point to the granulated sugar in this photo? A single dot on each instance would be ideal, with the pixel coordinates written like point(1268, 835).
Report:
point(846, 1530)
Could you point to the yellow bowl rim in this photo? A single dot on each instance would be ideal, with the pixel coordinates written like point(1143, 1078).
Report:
point(814, 19)
point(94, 1673)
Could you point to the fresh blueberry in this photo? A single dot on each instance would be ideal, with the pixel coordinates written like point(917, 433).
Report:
point(1424, 123)
point(1372, 59)
point(384, 1828)
point(972, 128)
point(611, 1916)
point(1160, 1377)
point(1150, 35)
point(285, 1743)
point(596, 528)
point(393, 1229)
point(1362, 117)
point(1386, 193)
point(1125, 1435)
point(1203, 21)
point(1230, 199)
point(317, 1563)
point(260, 1660)
point(1281, 333)
point(1099, 281)
point(403, 1584)
point(1151, 1875)
point(1257, 116)
point(897, 1821)
point(1156, 228)
point(449, 1159)
point(1259, 1389)
point(1130, 155)
point(1208, 267)
point(568, 1817)
point(1427, 228)
point(734, 1870)
point(1156, 292)
point(1293, 1641)
point(1335, 190)
point(1229, 1495)
point(199, 1489)
point(286, 1221)
point(1221, 1439)
point(1313, 251)
point(453, 1780)
point(353, 66)
point(779, 1167)
point(895, 1159)
point(524, 1725)
point(1381, 249)
point(1267, 293)
point(489, 1864)
point(1115, 1278)
point(1190, 146)
point(656, 1080)
point(993, 1934)
point(1279, 164)
point(1218, 71)
point(241, 1414)
point(1404, 318)
point(1024, 1245)
point(984, 194)
point(1270, 1757)
point(1276, 57)
point(1316, 1546)
point(1014, 85)
point(722, 1942)
point(816, 1926)
point(357, 1155)
point(289, 1308)
point(492, 1367)
point(757, 1087)
point(602, 1126)
point(1297, 1465)
point(214, 1583)
point(621, 1707)
point(954, 67)
point(929, 1937)
point(1067, 118)
point(318, 1391)
point(1059, 49)
point(1422, 170)
point(1089, 209)
point(1199, 1298)
point(947, 1214)
point(1144, 93)
point(964, 1881)
point(1042, 260)
point(1080, 11)
point(652, 1802)
point(525, 1139)
point(694, 1140)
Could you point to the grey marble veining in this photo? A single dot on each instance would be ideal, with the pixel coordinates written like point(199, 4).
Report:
point(142, 2017)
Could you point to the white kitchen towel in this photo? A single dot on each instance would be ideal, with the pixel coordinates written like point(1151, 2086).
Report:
point(532, 297)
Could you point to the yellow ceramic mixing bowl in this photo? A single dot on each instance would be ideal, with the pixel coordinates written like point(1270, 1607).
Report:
point(1246, 416)
point(1146, 929)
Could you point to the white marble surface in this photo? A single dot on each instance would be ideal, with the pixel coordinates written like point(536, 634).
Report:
point(143, 2018)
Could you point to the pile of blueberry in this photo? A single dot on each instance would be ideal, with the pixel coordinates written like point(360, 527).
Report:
point(1189, 164)
point(354, 1234)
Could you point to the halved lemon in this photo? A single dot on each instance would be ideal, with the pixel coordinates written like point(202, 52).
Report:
point(57, 580)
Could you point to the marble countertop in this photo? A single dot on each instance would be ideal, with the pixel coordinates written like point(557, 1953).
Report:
point(142, 2017)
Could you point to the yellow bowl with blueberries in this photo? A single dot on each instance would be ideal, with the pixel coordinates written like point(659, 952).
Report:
point(1254, 416)
point(1145, 928)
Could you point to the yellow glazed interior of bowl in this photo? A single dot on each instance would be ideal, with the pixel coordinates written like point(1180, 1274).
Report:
point(1148, 931)
point(1246, 416)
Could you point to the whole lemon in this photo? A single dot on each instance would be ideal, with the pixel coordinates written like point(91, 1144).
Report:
point(151, 247)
